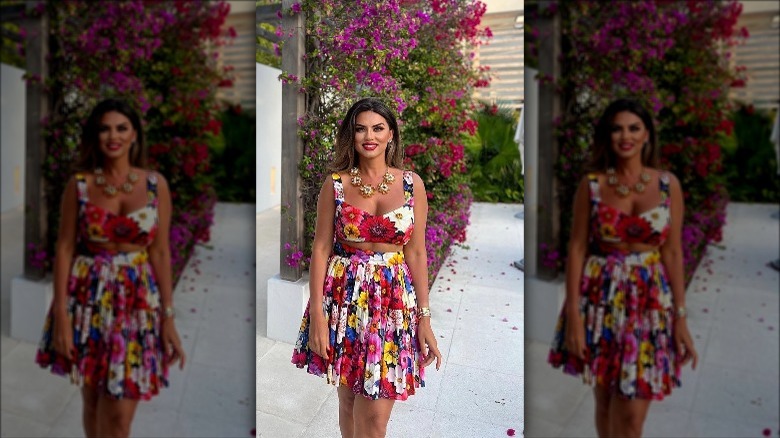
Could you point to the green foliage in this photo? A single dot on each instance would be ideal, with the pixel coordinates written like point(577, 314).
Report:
point(233, 157)
point(750, 163)
point(494, 158)
point(10, 50)
point(265, 51)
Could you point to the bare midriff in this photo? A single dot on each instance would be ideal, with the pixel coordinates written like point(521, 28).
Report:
point(626, 248)
point(373, 247)
point(113, 247)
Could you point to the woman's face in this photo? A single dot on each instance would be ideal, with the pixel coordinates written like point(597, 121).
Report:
point(629, 134)
point(371, 134)
point(115, 135)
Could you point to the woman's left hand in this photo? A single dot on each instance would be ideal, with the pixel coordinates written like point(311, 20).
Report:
point(684, 343)
point(428, 345)
point(172, 344)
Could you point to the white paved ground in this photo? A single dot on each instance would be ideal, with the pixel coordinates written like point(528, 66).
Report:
point(734, 317)
point(212, 397)
point(477, 303)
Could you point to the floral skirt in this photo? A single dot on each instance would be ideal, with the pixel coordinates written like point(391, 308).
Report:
point(114, 309)
point(371, 309)
point(626, 306)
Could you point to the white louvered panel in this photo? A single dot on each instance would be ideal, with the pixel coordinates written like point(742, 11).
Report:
point(504, 55)
point(241, 55)
point(761, 56)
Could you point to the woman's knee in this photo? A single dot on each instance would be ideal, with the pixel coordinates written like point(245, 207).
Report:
point(116, 416)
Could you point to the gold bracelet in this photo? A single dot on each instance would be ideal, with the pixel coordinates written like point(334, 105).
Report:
point(681, 312)
point(424, 312)
point(169, 312)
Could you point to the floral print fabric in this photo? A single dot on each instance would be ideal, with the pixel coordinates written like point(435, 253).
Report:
point(626, 306)
point(113, 304)
point(355, 225)
point(371, 309)
point(99, 225)
point(114, 307)
point(614, 226)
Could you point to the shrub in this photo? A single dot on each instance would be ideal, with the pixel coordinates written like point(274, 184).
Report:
point(414, 55)
point(158, 57)
point(673, 56)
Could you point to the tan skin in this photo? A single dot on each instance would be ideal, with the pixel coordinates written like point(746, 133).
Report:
point(102, 416)
point(616, 416)
point(359, 416)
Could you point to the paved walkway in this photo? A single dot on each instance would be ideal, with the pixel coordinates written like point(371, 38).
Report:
point(477, 303)
point(212, 397)
point(734, 313)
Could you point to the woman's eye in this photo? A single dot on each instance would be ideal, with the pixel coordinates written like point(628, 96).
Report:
point(358, 129)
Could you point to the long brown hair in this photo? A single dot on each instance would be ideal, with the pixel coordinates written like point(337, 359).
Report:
point(603, 156)
point(345, 157)
point(90, 156)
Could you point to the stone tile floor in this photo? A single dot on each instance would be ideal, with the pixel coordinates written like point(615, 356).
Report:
point(477, 303)
point(734, 316)
point(212, 397)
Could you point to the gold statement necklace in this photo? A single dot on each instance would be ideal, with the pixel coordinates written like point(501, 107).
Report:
point(367, 190)
point(623, 189)
point(110, 189)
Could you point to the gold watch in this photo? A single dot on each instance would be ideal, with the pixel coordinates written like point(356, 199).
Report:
point(169, 312)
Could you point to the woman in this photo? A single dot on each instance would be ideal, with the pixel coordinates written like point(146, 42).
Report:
point(111, 326)
point(623, 324)
point(368, 325)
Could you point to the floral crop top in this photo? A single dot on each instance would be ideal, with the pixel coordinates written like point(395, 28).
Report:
point(613, 226)
point(99, 225)
point(355, 225)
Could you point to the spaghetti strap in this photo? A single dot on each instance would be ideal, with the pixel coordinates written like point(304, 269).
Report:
point(338, 188)
point(593, 186)
point(408, 188)
point(81, 187)
point(663, 185)
point(151, 189)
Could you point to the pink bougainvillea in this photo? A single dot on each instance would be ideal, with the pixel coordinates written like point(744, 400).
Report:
point(673, 56)
point(419, 60)
point(159, 56)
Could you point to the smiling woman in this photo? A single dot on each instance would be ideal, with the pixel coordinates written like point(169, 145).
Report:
point(110, 326)
point(623, 325)
point(367, 326)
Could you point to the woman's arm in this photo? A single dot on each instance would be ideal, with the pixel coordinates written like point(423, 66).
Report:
point(160, 259)
point(160, 249)
point(63, 260)
point(320, 252)
point(575, 262)
point(417, 260)
point(672, 259)
point(415, 254)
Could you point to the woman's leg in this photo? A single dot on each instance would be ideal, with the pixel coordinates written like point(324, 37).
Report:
point(627, 417)
point(602, 396)
point(346, 406)
point(115, 416)
point(89, 401)
point(371, 416)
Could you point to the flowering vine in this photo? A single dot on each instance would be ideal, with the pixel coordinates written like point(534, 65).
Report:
point(159, 57)
point(674, 56)
point(417, 56)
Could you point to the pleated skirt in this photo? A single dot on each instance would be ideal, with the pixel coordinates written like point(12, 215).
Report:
point(627, 310)
point(114, 309)
point(371, 310)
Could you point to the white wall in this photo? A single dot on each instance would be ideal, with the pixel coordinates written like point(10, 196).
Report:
point(494, 6)
point(12, 137)
point(269, 137)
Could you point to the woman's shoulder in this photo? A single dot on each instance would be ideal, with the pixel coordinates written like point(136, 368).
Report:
point(665, 176)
